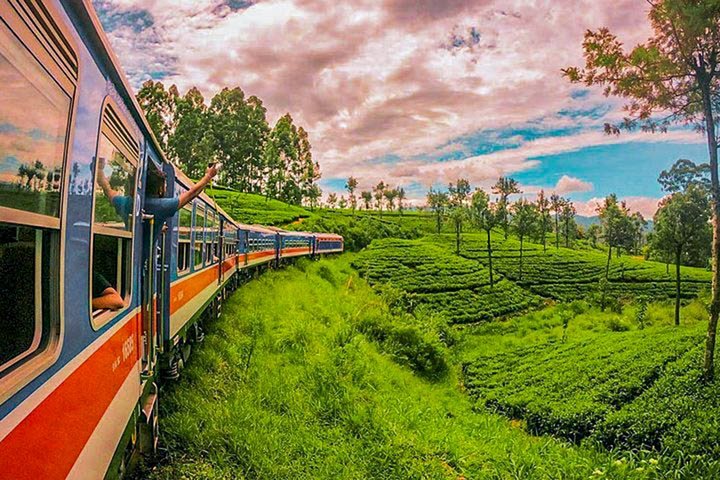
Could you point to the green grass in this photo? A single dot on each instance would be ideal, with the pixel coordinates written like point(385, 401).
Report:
point(312, 383)
point(256, 209)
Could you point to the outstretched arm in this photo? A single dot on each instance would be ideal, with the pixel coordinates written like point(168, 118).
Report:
point(103, 181)
point(109, 299)
point(196, 189)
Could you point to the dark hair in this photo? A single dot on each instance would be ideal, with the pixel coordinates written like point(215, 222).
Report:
point(156, 180)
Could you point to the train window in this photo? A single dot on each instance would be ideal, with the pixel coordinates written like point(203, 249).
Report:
point(34, 114)
point(211, 228)
point(114, 208)
point(184, 237)
point(199, 234)
point(29, 303)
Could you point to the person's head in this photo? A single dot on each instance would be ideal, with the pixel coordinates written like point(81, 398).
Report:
point(156, 183)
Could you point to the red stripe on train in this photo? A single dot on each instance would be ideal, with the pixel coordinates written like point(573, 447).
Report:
point(46, 444)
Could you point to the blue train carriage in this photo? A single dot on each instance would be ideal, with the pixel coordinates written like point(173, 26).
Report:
point(200, 272)
point(326, 243)
point(258, 246)
point(295, 244)
point(77, 367)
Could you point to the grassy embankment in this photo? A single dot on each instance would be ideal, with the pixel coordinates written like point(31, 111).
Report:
point(308, 374)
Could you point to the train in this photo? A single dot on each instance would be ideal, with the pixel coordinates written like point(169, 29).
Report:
point(79, 381)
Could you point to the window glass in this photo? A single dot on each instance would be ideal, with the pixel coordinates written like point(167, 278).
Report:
point(184, 236)
point(114, 187)
point(28, 303)
point(34, 114)
point(199, 234)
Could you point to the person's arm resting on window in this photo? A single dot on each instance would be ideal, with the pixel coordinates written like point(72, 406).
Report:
point(105, 297)
point(197, 189)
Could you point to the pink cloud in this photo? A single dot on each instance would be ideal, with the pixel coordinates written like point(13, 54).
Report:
point(647, 206)
point(568, 184)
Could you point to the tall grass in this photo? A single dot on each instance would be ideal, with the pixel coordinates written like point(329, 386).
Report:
point(302, 377)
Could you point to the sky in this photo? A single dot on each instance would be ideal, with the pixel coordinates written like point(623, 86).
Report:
point(416, 93)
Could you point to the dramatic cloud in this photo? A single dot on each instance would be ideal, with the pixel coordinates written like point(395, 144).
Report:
point(391, 89)
point(647, 206)
point(568, 184)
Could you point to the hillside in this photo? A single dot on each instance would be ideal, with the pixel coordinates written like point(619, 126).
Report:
point(327, 381)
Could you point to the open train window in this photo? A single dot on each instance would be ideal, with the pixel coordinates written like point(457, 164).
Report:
point(184, 237)
point(199, 237)
point(37, 87)
point(211, 238)
point(113, 219)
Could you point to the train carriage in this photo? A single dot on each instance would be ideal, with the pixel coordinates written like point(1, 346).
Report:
point(328, 243)
point(79, 377)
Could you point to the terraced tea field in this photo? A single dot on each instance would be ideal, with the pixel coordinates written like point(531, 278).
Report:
point(566, 274)
point(455, 287)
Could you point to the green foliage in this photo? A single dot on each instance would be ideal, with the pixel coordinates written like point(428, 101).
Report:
point(454, 287)
point(255, 209)
point(318, 400)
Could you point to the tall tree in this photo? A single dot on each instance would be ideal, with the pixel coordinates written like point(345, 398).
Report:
point(679, 222)
point(458, 196)
point(438, 203)
point(390, 194)
point(332, 200)
point(504, 187)
point(684, 173)
point(401, 199)
point(379, 193)
point(556, 205)
point(367, 199)
point(674, 77)
point(613, 217)
point(192, 144)
point(543, 207)
point(523, 223)
point(351, 186)
point(593, 234)
point(567, 215)
point(484, 216)
point(159, 108)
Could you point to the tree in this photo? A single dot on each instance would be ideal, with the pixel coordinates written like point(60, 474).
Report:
point(543, 207)
point(672, 78)
point(556, 205)
point(438, 203)
point(390, 194)
point(679, 222)
point(351, 186)
point(613, 219)
point(484, 215)
point(401, 199)
point(458, 195)
point(159, 108)
point(379, 192)
point(684, 173)
point(332, 200)
point(367, 199)
point(567, 216)
point(504, 187)
point(593, 234)
point(342, 203)
point(523, 222)
point(313, 195)
point(192, 143)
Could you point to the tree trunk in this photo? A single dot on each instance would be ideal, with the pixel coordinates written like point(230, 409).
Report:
point(557, 232)
point(567, 234)
point(678, 253)
point(709, 365)
point(607, 266)
point(489, 247)
point(457, 238)
point(437, 218)
point(521, 258)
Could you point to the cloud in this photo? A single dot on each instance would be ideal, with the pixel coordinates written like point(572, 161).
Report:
point(568, 184)
point(647, 206)
point(402, 79)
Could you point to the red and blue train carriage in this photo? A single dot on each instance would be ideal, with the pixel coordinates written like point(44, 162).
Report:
point(78, 386)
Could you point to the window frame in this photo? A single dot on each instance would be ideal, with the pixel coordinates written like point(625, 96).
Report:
point(133, 155)
point(23, 25)
point(199, 206)
point(190, 255)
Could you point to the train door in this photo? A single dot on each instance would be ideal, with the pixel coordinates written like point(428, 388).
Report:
point(222, 254)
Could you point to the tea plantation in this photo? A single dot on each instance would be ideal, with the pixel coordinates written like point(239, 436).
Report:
point(433, 277)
